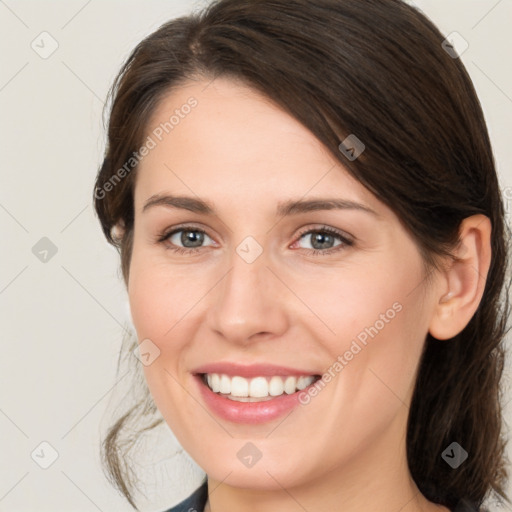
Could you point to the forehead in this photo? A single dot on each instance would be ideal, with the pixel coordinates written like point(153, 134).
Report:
point(235, 142)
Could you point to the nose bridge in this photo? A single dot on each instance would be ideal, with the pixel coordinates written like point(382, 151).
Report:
point(247, 299)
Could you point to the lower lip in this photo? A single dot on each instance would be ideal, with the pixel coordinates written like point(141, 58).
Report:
point(248, 412)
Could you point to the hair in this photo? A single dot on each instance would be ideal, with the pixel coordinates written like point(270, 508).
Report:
point(376, 69)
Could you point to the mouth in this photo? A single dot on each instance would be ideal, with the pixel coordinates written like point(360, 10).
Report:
point(254, 393)
point(258, 388)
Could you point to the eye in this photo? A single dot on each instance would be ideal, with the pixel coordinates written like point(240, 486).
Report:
point(190, 237)
point(323, 240)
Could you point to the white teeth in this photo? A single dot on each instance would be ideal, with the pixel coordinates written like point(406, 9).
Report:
point(290, 385)
point(257, 387)
point(215, 385)
point(276, 386)
point(239, 386)
point(303, 382)
point(225, 384)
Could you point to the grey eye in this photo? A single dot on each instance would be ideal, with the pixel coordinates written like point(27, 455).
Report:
point(321, 240)
point(189, 238)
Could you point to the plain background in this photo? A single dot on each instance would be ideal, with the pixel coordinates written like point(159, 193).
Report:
point(62, 318)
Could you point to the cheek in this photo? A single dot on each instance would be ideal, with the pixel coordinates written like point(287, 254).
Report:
point(159, 295)
point(149, 304)
point(362, 300)
point(166, 307)
point(159, 303)
point(378, 320)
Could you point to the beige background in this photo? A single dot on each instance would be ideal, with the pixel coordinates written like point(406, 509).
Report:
point(61, 319)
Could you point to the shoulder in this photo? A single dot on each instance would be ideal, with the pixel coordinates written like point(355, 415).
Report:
point(195, 502)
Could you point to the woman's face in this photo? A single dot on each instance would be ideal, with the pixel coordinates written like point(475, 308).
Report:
point(250, 291)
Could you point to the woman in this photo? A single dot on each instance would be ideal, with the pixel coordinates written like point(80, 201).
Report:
point(312, 237)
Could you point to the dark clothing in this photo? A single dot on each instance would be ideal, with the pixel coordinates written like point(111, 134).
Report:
point(464, 506)
point(197, 500)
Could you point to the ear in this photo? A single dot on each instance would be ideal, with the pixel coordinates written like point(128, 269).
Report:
point(117, 231)
point(462, 284)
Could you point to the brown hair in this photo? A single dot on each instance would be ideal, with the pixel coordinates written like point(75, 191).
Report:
point(376, 69)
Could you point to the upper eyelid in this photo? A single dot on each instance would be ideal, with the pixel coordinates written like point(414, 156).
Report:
point(177, 229)
point(334, 231)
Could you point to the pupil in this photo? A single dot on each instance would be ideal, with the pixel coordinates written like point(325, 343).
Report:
point(194, 237)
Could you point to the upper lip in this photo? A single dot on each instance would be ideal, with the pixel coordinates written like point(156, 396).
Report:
point(252, 370)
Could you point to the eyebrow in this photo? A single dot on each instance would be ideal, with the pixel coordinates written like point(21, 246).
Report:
point(284, 208)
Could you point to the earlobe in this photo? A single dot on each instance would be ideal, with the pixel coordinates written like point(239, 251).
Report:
point(117, 231)
point(462, 284)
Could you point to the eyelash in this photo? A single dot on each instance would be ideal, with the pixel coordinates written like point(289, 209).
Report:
point(314, 252)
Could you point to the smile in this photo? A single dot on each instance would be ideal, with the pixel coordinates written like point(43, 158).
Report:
point(253, 399)
point(256, 389)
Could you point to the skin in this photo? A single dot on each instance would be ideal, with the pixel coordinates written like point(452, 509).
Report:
point(345, 450)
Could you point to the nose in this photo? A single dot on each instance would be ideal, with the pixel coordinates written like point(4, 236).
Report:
point(249, 303)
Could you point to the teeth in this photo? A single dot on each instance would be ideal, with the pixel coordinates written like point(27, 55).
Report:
point(257, 387)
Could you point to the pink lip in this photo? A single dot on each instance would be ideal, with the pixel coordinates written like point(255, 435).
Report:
point(253, 370)
point(248, 412)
